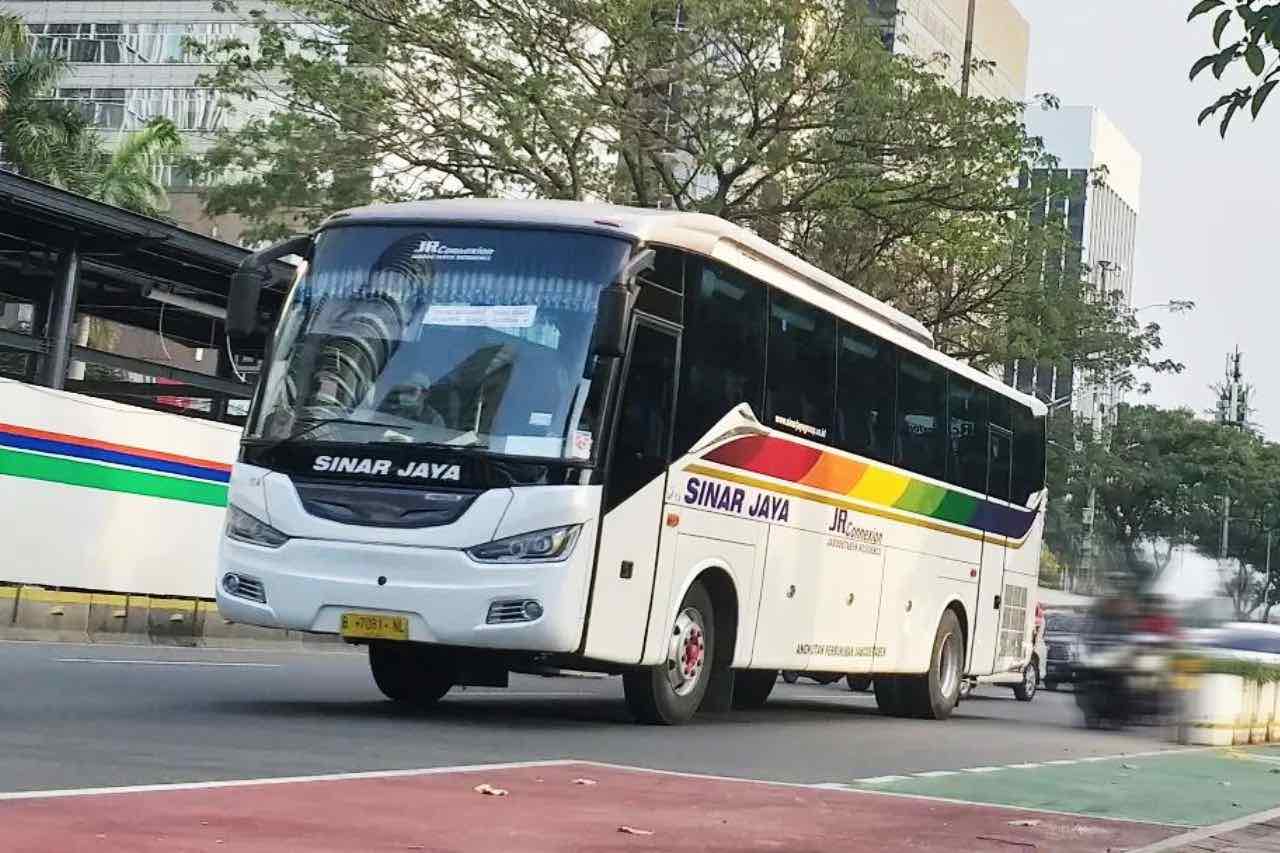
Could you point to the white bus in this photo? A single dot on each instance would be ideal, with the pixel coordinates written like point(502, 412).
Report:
point(496, 436)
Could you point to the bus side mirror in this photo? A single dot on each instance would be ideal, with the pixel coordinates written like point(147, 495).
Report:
point(246, 284)
point(242, 303)
point(609, 339)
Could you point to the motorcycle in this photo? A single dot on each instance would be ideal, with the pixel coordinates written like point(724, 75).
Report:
point(1125, 681)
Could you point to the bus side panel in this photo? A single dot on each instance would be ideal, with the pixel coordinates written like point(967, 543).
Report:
point(624, 576)
point(789, 602)
point(820, 599)
point(1018, 604)
point(985, 622)
point(925, 570)
point(700, 540)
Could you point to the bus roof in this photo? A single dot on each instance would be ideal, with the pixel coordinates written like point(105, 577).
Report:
point(698, 232)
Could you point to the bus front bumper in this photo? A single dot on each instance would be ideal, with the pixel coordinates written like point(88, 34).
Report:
point(445, 595)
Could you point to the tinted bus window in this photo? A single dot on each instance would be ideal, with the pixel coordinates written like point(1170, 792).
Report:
point(966, 434)
point(722, 363)
point(922, 409)
point(867, 377)
point(800, 397)
point(1028, 454)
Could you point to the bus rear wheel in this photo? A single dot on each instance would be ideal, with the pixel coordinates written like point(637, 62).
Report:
point(670, 693)
point(751, 687)
point(934, 695)
point(889, 694)
point(408, 674)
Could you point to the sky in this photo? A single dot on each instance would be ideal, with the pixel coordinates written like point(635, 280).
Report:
point(1209, 224)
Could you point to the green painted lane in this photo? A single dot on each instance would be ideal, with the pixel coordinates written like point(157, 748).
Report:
point(1197, 788)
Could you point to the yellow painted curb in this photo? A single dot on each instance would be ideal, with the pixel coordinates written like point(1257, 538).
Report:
point(53, 596)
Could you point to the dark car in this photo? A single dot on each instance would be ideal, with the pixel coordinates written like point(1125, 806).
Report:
point(1062, 632)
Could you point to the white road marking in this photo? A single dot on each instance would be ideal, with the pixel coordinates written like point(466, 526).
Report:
point(881, 780)
point(836, 787)
point(278, 780)
point(145, 662)
point(1062, 762)
point(1030, 765)
point(516, 694)
point(935, 774)
point(982, 769)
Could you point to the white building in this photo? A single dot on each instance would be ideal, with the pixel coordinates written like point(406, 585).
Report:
point(130, 61)
point(938, 30)
point(1101, 214)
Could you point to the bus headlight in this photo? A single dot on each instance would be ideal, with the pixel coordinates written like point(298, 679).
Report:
point(243, 527)
point(541, 546)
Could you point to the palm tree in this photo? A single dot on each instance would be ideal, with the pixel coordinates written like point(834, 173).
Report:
point(128, 176)
point(13, 35)
point(51, 141)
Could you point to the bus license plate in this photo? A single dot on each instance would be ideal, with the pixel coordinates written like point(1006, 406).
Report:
point(375, 626)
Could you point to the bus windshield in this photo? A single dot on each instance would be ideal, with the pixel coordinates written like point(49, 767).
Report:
point(474, 337)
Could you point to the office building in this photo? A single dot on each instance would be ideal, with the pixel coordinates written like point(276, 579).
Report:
point(1104, 172)
point(946, 31)
point(131, 61)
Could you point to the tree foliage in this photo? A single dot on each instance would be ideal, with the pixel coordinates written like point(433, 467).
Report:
point(1160, 480)
point(1246, 33)
point(785, 116)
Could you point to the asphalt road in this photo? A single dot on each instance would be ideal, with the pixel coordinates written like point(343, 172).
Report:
point(87, 716)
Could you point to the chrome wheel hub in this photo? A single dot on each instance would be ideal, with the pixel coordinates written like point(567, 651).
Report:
point(687, 652)
point(949, 666)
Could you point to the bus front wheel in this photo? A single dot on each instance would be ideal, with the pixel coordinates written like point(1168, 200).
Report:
point(406, 673)
point(671, 692)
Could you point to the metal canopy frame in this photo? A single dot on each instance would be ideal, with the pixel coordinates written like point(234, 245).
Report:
point(68, 255)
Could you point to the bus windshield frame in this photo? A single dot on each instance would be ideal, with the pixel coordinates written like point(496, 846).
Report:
point(473, 337)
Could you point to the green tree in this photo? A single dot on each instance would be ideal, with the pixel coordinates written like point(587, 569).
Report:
point(785, 116)
point(128, 176)
point(1245, 32)
point(1158, 483)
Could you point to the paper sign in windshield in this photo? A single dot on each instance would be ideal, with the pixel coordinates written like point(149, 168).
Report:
point(493, 316)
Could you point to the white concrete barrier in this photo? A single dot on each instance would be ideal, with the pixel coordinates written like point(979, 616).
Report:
point(1212, 707)
point(1266, 710)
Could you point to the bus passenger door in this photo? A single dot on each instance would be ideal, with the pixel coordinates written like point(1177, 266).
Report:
point(634, 492)
point(986, 623)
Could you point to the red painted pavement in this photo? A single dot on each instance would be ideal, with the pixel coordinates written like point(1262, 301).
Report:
point(544, 811)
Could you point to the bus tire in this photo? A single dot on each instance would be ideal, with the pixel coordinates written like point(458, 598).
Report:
point(670, 693)
point(934, 695)
point(858, 683)
point(751, 688)
point(889, 699)
point(405, 674)
point(1025, 690)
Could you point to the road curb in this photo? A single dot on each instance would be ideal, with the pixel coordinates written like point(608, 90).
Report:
point(40, 614)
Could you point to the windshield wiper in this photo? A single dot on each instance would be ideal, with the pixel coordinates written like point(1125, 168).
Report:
point(312, 426)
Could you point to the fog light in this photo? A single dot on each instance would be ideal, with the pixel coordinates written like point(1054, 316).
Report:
point(532, 610)
point(244, 586)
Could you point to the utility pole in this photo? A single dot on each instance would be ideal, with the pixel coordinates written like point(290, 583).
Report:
point(1232, 412)
point(966, 69)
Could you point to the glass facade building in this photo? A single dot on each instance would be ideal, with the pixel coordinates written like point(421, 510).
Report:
point(1101, 218)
